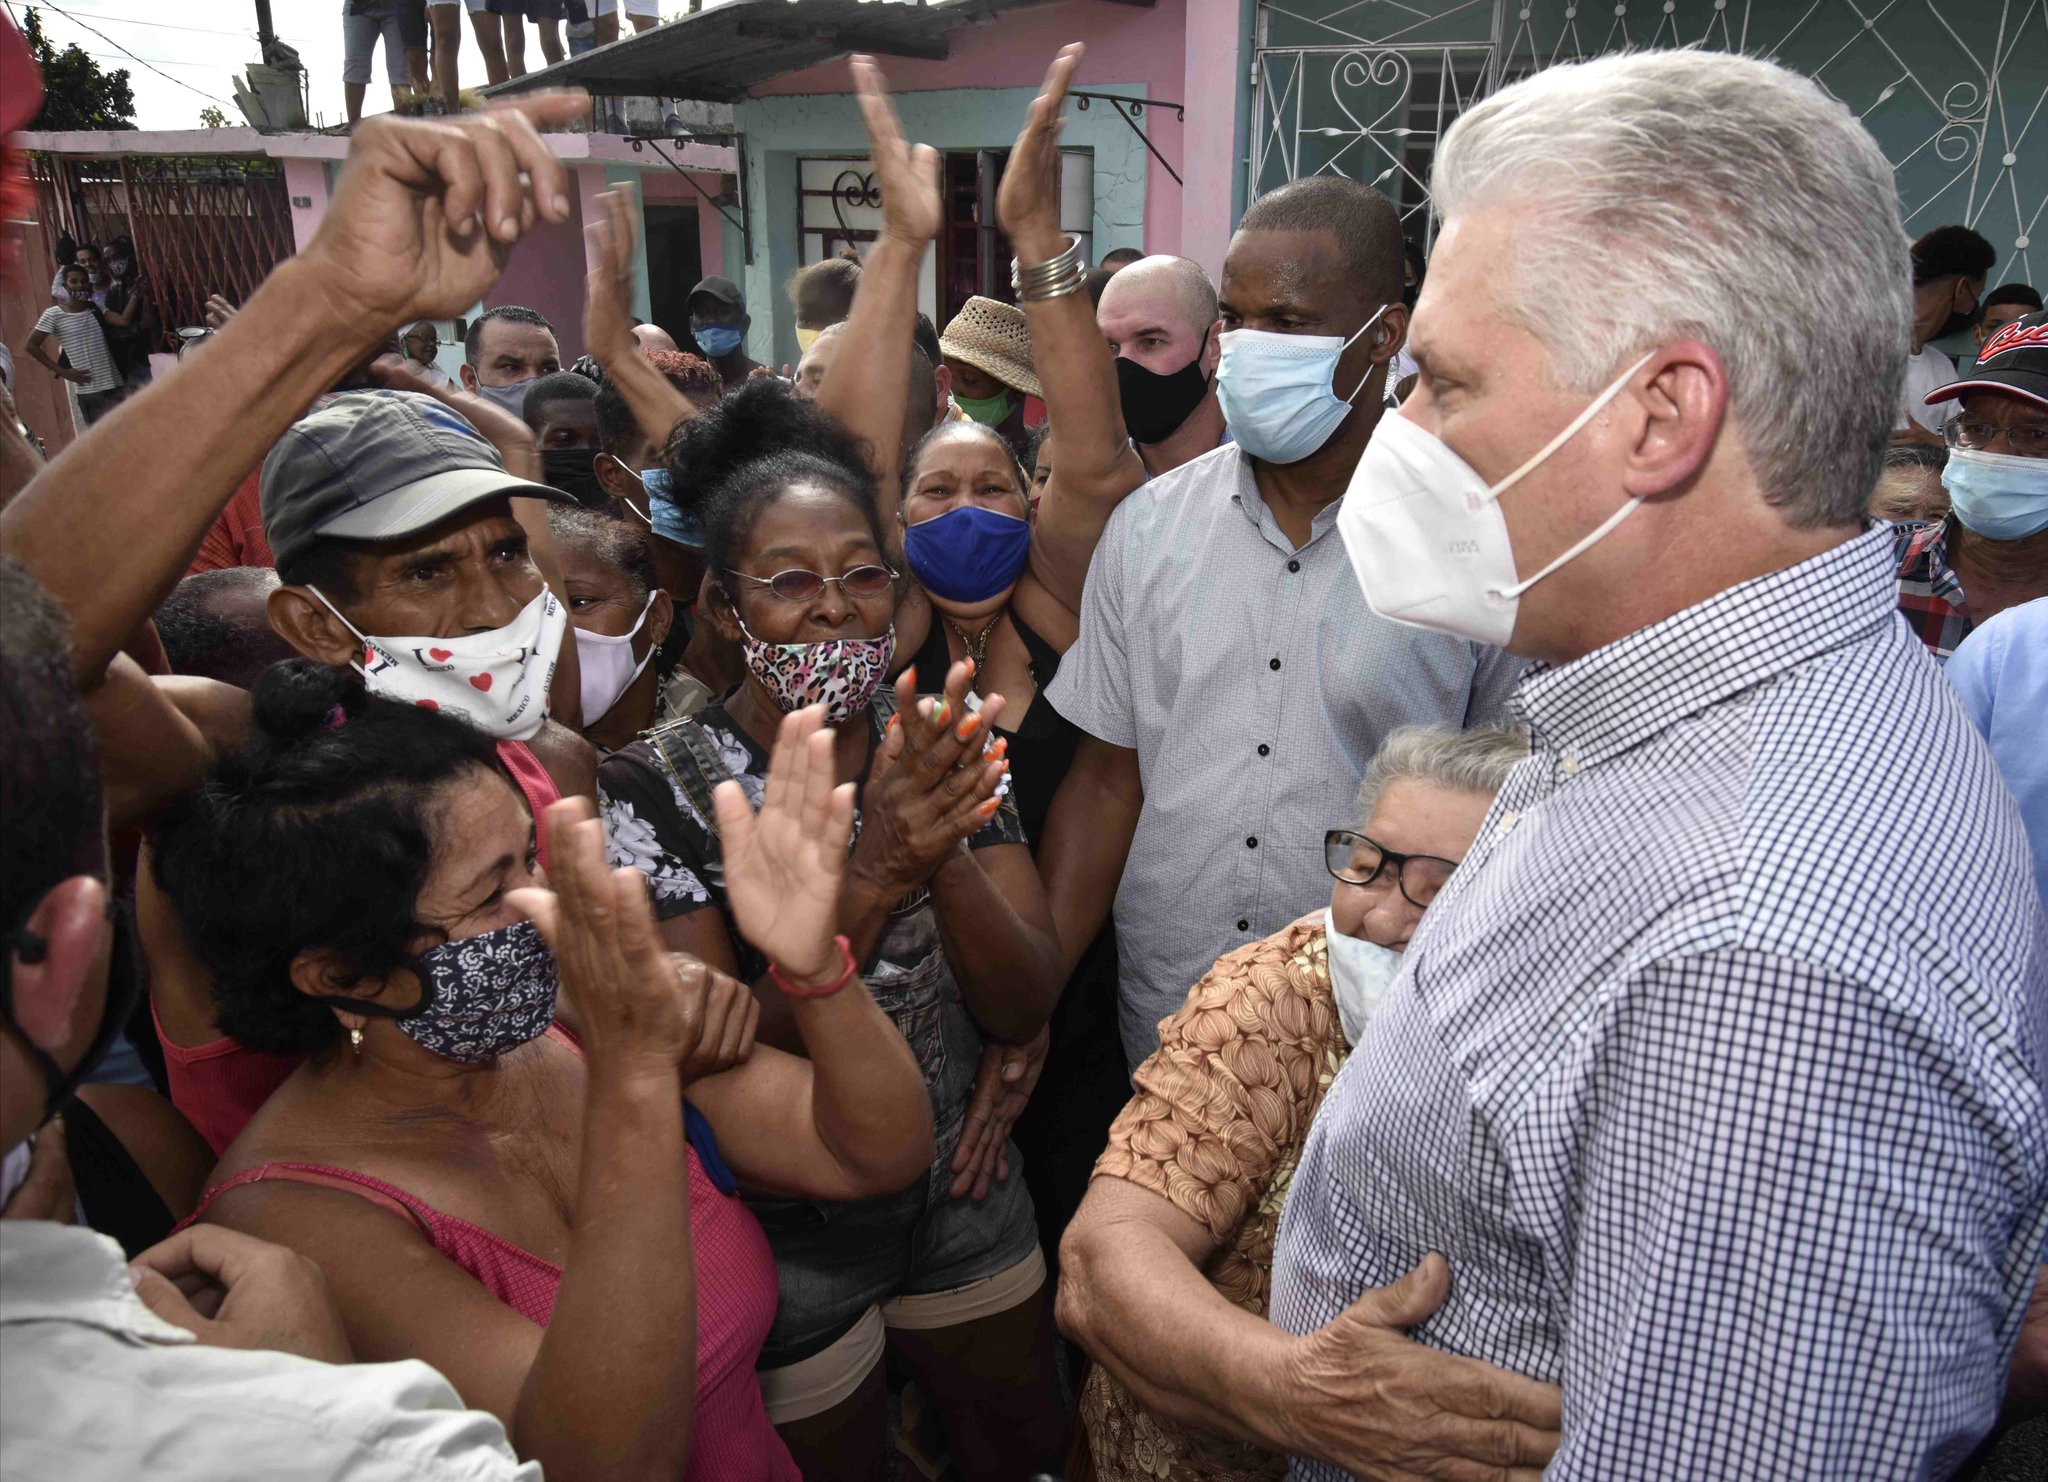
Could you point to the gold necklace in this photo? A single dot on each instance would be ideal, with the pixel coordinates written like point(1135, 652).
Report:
point(977, 646)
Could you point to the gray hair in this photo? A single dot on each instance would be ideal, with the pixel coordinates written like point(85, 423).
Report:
point(1477, 760)
point(1694, 194)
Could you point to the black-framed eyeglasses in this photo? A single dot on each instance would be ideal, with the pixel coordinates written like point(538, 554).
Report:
point(798, 585)
point(1356, 860)
point(2027, 439)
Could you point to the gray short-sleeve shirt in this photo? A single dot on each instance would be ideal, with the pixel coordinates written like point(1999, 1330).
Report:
point(1255, 684)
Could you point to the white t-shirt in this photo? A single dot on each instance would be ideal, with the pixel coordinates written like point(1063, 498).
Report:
point(85, 346)
point(1928, 371)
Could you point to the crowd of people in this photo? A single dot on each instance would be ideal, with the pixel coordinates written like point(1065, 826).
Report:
point(1376, 866)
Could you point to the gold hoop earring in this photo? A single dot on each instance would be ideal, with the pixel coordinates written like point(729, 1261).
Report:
point(355, 1041)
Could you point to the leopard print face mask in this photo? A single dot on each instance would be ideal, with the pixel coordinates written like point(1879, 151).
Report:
point(841, 674)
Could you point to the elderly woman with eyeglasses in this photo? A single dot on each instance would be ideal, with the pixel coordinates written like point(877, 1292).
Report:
point(1165, 1269)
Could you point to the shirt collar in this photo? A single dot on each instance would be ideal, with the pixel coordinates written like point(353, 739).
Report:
point(1248, 499)
point(60, 1273)
point(1615, 698)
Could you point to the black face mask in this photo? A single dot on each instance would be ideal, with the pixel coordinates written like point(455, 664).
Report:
point(1411, 293)
point(124, 992)
point(1957, 323)
point(574, 472)
point(1156, 405)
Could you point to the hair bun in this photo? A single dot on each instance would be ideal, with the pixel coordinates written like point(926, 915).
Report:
point(759, 419)
point(296, 697)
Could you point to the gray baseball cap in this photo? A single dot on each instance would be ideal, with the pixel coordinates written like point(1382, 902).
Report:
point(378, 465)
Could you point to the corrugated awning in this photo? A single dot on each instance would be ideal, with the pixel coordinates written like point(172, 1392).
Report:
point(717, 54)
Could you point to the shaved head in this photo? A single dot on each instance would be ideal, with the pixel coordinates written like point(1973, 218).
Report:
point(1161, 285)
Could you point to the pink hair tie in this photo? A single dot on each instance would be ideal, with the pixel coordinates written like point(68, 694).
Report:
point(335, 718)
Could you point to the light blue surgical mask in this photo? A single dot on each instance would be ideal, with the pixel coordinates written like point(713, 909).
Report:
point(1276, 389)
point(512, 398)
point(2000, 496)
point(1360, 974)
point(717, 340)
point(671, 521)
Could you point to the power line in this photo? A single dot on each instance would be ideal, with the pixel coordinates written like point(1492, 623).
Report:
point(132, 57)
point(131, 20)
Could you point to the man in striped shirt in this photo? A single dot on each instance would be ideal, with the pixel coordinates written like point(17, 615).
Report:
point(90, 367)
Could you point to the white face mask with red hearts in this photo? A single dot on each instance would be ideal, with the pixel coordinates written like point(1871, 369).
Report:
point(497, 681)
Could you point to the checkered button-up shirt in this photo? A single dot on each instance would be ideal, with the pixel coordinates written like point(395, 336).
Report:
point(1930, 593)
point(1723, 1099)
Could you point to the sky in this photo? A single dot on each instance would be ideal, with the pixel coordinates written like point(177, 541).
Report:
point(206, 43)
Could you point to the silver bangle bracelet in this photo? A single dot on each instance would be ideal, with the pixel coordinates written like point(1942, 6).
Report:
point(1061, 275)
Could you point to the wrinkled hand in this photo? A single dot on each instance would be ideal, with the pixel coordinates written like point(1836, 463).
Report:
point(783, 866)
point(47, 1192)
point(907, 175)
point(1028, 201)
point(638, 1005)
point(218, 311)
point(931, 788)
point(234, 1291)
point(1002, 1089)
point(427, 210)
point(608, 287)
point(1364, 1396)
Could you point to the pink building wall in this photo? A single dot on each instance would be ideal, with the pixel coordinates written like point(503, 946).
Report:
point(1126, 44)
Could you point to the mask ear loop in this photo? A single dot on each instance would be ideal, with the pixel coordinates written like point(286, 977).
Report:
point(355, 663)
point(1354, 340)
point(647, 520)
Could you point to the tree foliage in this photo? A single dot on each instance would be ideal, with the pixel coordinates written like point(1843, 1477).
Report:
point(212, 117)
point(77, 92)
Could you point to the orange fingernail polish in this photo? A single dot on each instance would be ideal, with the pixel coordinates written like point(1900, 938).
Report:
point(966, 727)
point(988, 809)
point(892, 723)
point(1001, 748)
point(943, 714)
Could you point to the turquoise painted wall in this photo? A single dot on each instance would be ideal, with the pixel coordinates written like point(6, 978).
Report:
point(780, 129)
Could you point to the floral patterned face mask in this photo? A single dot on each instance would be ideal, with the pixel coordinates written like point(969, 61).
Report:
point(484, 996)
point(841, 674)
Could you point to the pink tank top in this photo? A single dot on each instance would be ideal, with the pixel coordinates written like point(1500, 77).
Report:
point(736, 1296)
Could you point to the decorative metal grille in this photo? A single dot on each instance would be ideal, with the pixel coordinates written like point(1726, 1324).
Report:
point(201, 224)
point(1956, 91)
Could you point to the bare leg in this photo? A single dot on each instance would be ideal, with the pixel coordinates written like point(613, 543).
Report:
point(845, 1443)
point(996, 1383)
point(447, 47)
point(491, 42)
point(646, 22)
point(416, 64)
point(607, 28)
point(352, 92)
point(550, 40)
point(515, 45)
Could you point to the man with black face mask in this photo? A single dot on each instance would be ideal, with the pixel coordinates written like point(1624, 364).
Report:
point(1159, 316)
point(108, 1364)
point(562, 411)
point(1950, 265)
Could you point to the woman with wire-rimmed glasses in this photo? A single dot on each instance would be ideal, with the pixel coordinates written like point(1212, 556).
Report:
point(1203, 1154)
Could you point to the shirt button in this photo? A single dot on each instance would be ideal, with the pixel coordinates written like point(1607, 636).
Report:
point(1272, 663)
point(1251, 843)
point(1506, 824)
point(1243, 925)
point(1294, 565)
point(1569, 764)
point(1264, 749)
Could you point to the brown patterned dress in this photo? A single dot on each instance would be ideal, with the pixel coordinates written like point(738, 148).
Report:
point(1216, 1128)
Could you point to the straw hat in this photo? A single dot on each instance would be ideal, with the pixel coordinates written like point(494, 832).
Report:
point(991, 337)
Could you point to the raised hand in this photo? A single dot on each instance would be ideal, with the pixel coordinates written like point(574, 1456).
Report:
point(932, 787)
point(426, 211)
point(1028, 201)
point(218, 311)
point(608, 288)
point(783, 865)
point(907, 174)
point(636, 1007)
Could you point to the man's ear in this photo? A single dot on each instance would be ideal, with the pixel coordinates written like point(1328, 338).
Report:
point(58, 968)
point(1390, 334)
point(304, 621)
point(466, 373)
point(1212, 349)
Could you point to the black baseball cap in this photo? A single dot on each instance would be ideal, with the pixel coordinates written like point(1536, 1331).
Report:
point(2015, 361)
point(378, 465)
point(723, 290)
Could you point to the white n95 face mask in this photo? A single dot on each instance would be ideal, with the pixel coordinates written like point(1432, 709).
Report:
point(1426, 536)
point(497, 681)
point(1360, 974)
point(1277, 390)
point(605, 667)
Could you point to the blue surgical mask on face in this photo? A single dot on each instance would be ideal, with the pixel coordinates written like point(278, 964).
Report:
point(2000, 496)
point(671, 521)
point(1276, 389)
point(717, 340)
point(968, 554)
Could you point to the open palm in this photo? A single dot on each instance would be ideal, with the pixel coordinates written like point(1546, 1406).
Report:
point(783, 865)
point(1028, 200)
point(907, 174)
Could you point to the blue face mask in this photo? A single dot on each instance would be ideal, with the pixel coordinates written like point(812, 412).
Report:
point(717, 340)
point(671, 521)
point(1276, 390)
point(2000, 496)
point(968, 554)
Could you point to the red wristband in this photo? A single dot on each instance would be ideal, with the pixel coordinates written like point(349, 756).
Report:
point(852, 970)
